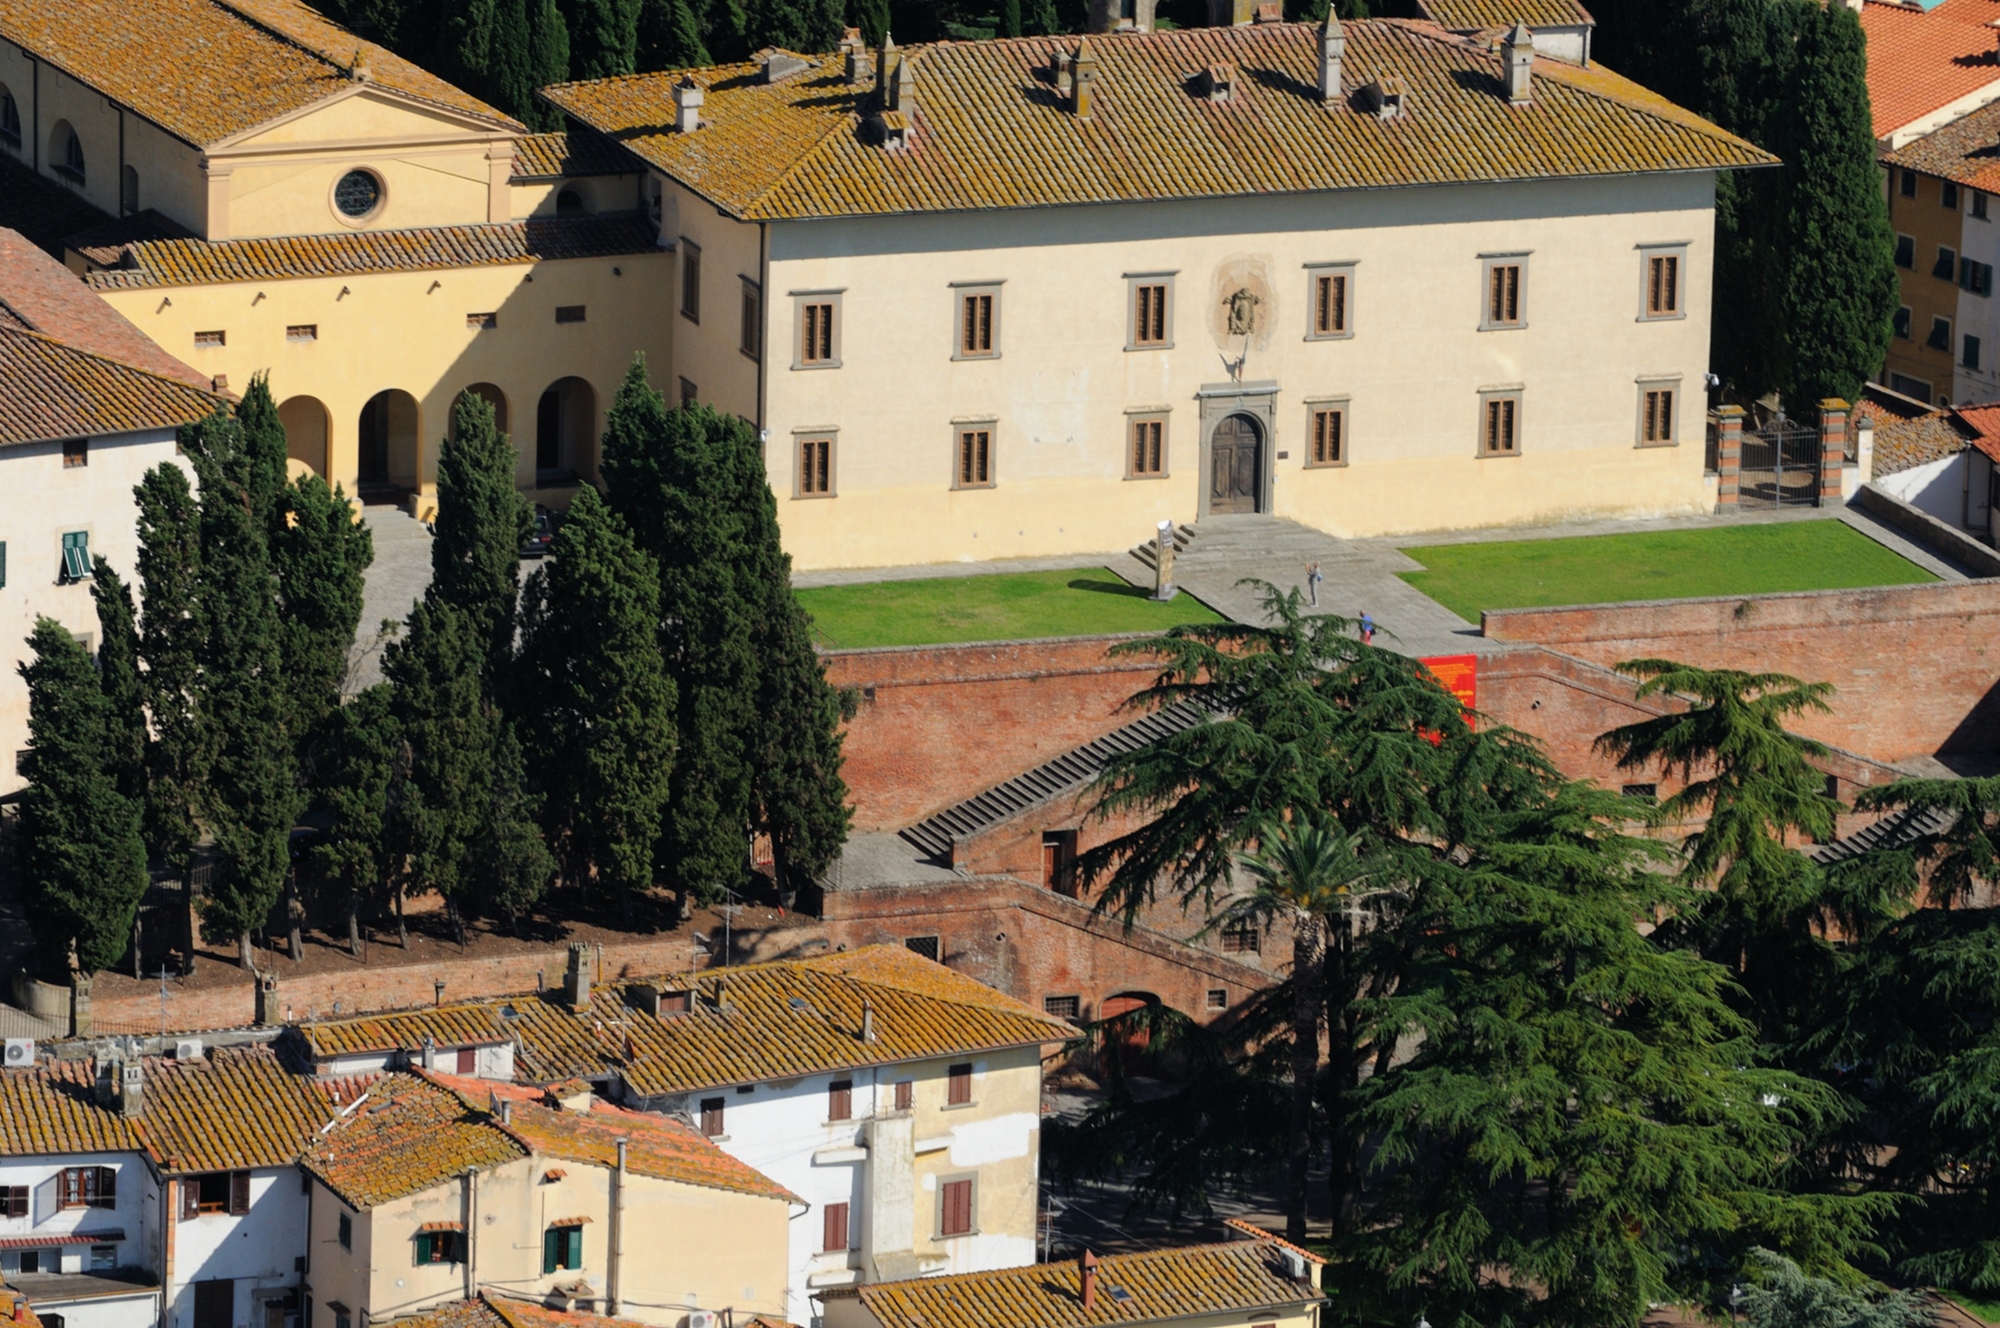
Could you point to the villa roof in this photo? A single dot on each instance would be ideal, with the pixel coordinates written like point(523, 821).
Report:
point(1149, 1287)
point(562, 156)
point(1967, 150)
point(197, 262)
point(208, 70)
point(1470, 15)
point(41, 295)
point(989, 131)
point(51, 1109)
point(469, 1025)
point(1919, 62)
point(237, 1109)
point(49, 390)
point(406, 1135)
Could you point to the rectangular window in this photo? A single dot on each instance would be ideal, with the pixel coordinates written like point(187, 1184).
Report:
point(103, 1258)
point(438, 1247)
point(1150, 319)
point(1218, 998)
point(687, 393)
point(1148, 457)
point(569, 313)
point(1940, 337)
point(690, 280)
point(1500, 425)
point(76, 555)
point(906, 1094)
point(978, 324)
point(819, 339)
point(975, 457)
point(1948, 195)
point(955, 1208)
point(815, 478)
point(1329, 299)
point(1975, 276)
point(1979, 204)
point(302, 332)
point(468, 1060)
point(1062, 1007)
point(711, 1117)
point(485, 322)
point(346, 1231)
point(1663, 285)
point(1328, 429)
point(341, 1318)
point(1059, 861)
point(833, 1229)
point(1902, 322)
point(752, 338)
point(958, 1086)
point(927, 946)
point(1909, 183)
point(1906, 252)
point(1506, 294)
point(562, 1247)
point(1656, 416)
point(1241, 939)
point(209, 340)
point(1946, 266)
point(76, 452)
point(13, 1201)
point(1969, 352)
point(840, 1100)
point(89, 1187)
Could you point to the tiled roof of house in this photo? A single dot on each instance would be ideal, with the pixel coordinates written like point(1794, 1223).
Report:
point(44, 296)
point(1983, 422)
point(237, 1109)
point(1469, 15)
point(561, 156)
point(15, 1309)
point(780, 1020)
point(1966, 150)
point(493, 1310)
point(50, 1109)
point(1149, 1287)
point(104, 244)
point(655, 1146)
point(1918, 62)
point(470, 1025)
point(406, 1135)
point(1901, 444)
point(207, 70)
point(990, 132)
point(195, 262)
point(49, 390)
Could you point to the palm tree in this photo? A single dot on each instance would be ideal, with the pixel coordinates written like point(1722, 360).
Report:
point(1310, 872)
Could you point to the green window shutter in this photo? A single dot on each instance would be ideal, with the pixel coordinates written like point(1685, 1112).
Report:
point(552, 1249)
point(575, 1248)
point(76, 555)
point(423, 1248)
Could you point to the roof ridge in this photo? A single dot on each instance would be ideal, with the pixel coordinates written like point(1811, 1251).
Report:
point(102, 358)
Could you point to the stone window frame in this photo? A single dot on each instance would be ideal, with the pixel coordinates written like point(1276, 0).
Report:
point(1487, 265)
point(1162, 416)
point(970, 1179)
point(959, 428)
point(801, 300)
point(800, 438)
point(1677, 250)
point(1344, 405)
point(1514, 392)
point(1134, 281)
point(961, 293)
point(1669, 383)
point(1318, 272)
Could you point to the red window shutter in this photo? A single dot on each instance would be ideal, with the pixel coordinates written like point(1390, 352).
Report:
point(468, 1061)
point(190, 1198)
point(239, 1193)
point(835, 1228)
point(957, 1207)
point(906, 1094)
point(840, 1100)
point(958, 1086)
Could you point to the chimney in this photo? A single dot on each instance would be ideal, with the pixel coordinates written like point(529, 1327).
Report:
point(1109, 16)
point(1220, 79)
point(1385, 96)
point(1087, 1262)
point(906, 87)
point(430, 1052)
point(506, 1111)
point(1062, 75)
point(860, 69)
point(1520, 65)
point(780, 65)
point(1332, 49)
point(1271, 11)
point(576, 980)
point(887, 57)
point(106, 1088)
point(687, 119)
point(1085, 75)
point(358, 69)
point(131, 1090)
point(867, 1020)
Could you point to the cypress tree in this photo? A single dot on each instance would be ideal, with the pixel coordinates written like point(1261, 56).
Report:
point(872, 17)
point(118, 672)
point(722, 28)
point(265, 454)
point(82, 859)
point(352, 768)
point(1841, 287)
point(1010, 19)
point(548, 49)
point(510, 64)
point(321, 555)
point(604, 704)
point(604, 37)
point(250, 798)
point(170, 632)
point(807, 26)
point(513, 864)
point(482, 521)
point(669, 37)
point(465, 44)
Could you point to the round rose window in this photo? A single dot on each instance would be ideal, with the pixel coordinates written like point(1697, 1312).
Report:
point(357, 194)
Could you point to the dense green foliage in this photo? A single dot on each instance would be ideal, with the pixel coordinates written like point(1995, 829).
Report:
point(482, 521)
point(170, 632)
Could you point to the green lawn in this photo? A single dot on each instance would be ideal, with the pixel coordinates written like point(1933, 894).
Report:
point(1983, 1309)
point(1662, 564)
point(1008, 607)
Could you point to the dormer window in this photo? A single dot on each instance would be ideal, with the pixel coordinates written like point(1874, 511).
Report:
point(569, 203)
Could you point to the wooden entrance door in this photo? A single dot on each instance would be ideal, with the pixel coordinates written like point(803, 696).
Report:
point(1235, 462)
point(215, 1302)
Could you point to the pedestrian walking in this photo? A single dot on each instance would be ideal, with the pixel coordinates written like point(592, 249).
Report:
point(1367, 629)
point(1313, 578)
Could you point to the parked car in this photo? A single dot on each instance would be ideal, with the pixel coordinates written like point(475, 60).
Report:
point(542, 536)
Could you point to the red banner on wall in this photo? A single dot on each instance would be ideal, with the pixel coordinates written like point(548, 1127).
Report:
point(1460, 676)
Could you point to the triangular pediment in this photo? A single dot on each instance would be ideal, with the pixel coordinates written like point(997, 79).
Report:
point(363, 113)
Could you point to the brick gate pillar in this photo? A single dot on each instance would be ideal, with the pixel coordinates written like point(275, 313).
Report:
point(1832, 447)
point(1728, 455)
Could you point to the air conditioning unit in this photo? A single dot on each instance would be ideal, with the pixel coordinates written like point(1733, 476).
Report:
point(187, 1049)
point(1295, 1264)
point(20, 1053)
point(704, 1319)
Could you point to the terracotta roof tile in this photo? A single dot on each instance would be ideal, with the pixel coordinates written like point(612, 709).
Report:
point(1158, 1285)
point(1966, 150)
point(16, 1310)
point(1983, 422)
point(237, 1109)
point(46, 297)
point(49, 390)
point(1903, 444)
point(406, 1135)
point(1468, 15)
point(528, 1314)
point(566, 156)
point(192, 262)
point(51, 1109)
point(1918, 62)
point(471, 1025)
point(991, 134)
point(457, 1314)
point(206, 70)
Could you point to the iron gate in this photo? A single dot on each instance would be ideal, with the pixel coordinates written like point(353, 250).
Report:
point(1780, 465)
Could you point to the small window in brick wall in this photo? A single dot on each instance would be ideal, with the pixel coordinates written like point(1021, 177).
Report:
point(1241, 940)
point(1062, 1007)
point(927, 946)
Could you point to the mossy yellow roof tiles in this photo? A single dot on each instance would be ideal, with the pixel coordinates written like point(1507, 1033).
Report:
point(207, 70)
point(1157, 1285)
point(991, 131)
point(1506, 13)
point(450, 1026)
point(406, 1135)
point(238, 1109)
point(50, 1109)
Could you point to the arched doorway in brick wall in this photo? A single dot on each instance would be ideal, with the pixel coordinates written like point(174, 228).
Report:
point(1130, 1039)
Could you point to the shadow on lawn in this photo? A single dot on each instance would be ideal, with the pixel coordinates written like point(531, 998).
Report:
point(1108, 588)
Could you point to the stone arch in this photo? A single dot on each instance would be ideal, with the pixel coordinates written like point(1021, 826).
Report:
point(307, 429)
point(566, 432)
point(66, 152)
point(494, 397)
point(1130, 1043)
point(391, 449)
